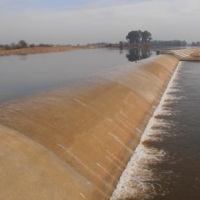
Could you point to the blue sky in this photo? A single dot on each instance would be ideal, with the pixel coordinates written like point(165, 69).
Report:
point(87, 21)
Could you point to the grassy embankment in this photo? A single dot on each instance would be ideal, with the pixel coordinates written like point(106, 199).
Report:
point(38, 50)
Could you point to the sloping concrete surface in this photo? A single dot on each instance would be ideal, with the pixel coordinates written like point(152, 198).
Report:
point(74, 142)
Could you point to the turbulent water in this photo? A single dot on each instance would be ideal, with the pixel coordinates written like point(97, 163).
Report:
point(166, 164)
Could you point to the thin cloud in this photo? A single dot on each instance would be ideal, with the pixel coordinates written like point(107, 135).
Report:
point(98, 22)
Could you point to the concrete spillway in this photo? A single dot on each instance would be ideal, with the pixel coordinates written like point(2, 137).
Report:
point(74, 142)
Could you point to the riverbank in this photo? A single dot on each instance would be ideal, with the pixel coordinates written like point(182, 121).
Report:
point(39, 50)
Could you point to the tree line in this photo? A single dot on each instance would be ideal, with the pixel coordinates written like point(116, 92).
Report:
point(194, 44)
point(162, 43)
point(139, 37)
point(22, 44)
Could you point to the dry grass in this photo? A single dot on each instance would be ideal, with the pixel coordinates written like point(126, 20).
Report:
point(38, 50)
point(195, 54)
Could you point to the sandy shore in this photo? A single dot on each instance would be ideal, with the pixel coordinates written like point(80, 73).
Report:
point(38, 50)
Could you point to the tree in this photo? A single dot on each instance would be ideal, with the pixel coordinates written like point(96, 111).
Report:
point(7, 47)
point(13, 45)
point(136, 37)
point(131, 37)
point(121, 45)
point(146, 37)
point(22, 44)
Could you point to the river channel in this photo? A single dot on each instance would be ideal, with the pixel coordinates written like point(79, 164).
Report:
point(29, 74)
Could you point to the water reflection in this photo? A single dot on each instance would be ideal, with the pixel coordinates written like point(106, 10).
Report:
point(138, 54)
point(120, 51)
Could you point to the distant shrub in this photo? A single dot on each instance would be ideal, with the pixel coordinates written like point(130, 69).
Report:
point(32, 45)
point(7, 47)
point(45, 45)
point(22, 44)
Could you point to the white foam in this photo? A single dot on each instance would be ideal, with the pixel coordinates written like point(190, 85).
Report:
point(138, 180)
point(175, 89)
point(171, 97)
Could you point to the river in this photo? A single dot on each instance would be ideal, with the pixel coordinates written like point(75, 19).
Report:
point(29, 74)
point(179, 171)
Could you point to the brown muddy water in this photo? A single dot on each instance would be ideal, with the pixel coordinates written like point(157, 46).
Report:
point(166, 164)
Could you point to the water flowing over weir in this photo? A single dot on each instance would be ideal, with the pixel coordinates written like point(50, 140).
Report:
point(138, 180)
point(74, 142)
